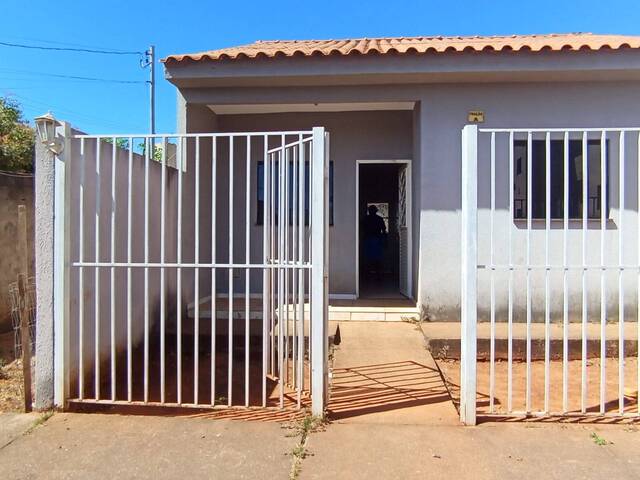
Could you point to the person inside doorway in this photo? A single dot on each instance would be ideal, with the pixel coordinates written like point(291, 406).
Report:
point(375, 233)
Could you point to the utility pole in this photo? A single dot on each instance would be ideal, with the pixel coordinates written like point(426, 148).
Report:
point(150, 61)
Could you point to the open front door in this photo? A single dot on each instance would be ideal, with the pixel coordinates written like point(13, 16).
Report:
point(404, 231)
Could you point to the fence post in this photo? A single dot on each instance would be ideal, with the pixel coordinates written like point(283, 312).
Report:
point(319, 272)
point(469, 263)
point(61, 258)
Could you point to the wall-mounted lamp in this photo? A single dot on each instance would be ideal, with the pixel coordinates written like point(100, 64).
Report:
point(46, 129)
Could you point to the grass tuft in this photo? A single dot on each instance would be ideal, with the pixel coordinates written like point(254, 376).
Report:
point(303, 428)
point(598, 440)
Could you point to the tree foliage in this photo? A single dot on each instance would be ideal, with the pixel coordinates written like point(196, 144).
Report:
point(17, 138)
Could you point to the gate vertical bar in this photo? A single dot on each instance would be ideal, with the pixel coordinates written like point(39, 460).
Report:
point(492, 366)
point(81, 272)
point(603, 277)
point(61, 256)
point(565, 280)
point(230, 285)
point(528, 272)
point(547, 292)
point(163, 242)
point(287, 158)
point(214, 316)
point(129, 279)
point(196, 279)
point(247, 282)
point(179, 278)
point(96, 299)
point(273, 237)
point(585, 226)
point(621, 175)
point(468, 302)
point(148, 145)
point(638, 271)
point(301, 274)
point(265, 259)
point(319, 273)
point(112, 270)
point(294, 263)
point(510, 286)
point(280, 250)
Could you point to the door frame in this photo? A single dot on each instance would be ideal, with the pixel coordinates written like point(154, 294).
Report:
point(409, 199)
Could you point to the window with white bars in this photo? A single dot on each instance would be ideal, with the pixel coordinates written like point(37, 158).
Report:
point(576, 182)
point(260, 193)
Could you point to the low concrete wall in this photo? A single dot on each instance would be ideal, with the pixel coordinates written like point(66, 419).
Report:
point(14, 190)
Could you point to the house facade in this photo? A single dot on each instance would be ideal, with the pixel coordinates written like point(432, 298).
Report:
point(473, 178)
point(407, 99)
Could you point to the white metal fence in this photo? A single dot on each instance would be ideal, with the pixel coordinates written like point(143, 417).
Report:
point(194, 269)
point(551, 264)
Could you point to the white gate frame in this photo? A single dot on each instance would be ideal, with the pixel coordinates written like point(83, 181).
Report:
point(320, 273)
point(62, 263)
point(469, 290)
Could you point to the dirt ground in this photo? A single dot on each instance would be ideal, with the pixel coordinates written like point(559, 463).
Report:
point(451, 372)
point(11, 390)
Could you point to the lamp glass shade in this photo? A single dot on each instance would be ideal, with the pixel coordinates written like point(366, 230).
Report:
point(46, 128)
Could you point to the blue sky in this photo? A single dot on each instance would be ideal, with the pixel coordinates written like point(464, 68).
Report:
point(191, 25)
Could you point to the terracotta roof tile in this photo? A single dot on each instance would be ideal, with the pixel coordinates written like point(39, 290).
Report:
point(307, 48)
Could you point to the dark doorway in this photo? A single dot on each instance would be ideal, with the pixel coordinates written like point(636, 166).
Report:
point(378, 216)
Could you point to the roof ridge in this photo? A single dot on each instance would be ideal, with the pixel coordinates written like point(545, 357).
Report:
point(462, 37)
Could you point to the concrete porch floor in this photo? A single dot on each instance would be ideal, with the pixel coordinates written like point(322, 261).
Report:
point(382, 373)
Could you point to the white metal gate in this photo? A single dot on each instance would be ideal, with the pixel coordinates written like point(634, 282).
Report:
point(550, 272)
point(195, 269)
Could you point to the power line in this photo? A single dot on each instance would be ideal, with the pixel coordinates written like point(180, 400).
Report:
point(67, 44)
point(37, 103)
point(70, 49)
point(67, 80)
point(72, 77)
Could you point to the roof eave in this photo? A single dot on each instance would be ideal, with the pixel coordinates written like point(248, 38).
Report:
point(378, 68)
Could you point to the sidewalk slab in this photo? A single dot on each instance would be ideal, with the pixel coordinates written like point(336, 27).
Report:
point(13, 425)
point(522, 451)
point(87, 446)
